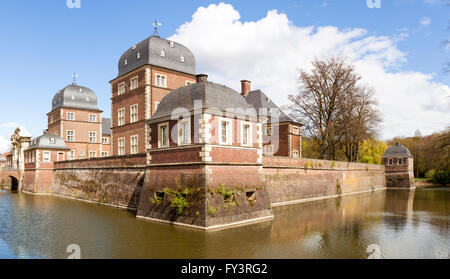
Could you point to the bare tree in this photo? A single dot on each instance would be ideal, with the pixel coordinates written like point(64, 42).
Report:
point(334, 109)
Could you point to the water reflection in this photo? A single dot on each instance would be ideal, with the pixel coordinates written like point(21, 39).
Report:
point(406, 224)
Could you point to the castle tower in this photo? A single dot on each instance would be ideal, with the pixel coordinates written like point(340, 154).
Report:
point(76, 118)
point(147, 72)
point(399, 164)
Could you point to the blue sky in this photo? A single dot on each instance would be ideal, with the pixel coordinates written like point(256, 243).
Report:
point(44, 42)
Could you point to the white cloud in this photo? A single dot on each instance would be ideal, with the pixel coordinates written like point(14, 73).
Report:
point(425, 21)
point(6, 130)
point(271, 50)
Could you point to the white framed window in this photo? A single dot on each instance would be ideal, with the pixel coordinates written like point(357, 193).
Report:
point(121, 146)
point(134, 83)
point(246, 134)
point(92, 118)
point(188, 82)
point(184, 131)
point(126, 62)
point(138, 55)
point(92, 137)
point(121, 88)
point(92, 154)
point(295, 130)
point(46, 156)
point(171, 44)
point(400, 161)
point(105, 140)
point(295, 154)
point(182, 59)
point(70, 116)
point(134, 144)
point(390, 162)
point(163, 135)
point(225, 131)
point(268, 150)
point(133, 113)
point(104, 154)
point(70, 135)
point(269, 131)
point(163, 53)
point(72, 155)
point(52, 141)
point(121, 117)
point(161, 80)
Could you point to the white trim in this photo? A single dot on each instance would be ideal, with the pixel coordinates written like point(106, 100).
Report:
point(119, 146)
point(95, 116)
point(131, 113)
point(249, 135)
point(67, 136)
point(156, 80)
point(137, 144)
point(95, 135)
point(399, 161)
point(229, 131)
point(49, 159)
point(390, 161)
point(119, 123)
point(131, 82)
point(67, 116)
point(119, 92)
point(180, 136)
point(160, 137)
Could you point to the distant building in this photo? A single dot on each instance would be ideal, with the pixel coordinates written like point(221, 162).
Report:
point(399, 164)
point(76, 118)
point(20, 141)
point(3, 160)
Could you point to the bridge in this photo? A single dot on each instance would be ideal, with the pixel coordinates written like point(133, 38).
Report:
point(10, 179)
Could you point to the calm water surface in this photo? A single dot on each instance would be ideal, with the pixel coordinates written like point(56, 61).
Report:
point(404, 224)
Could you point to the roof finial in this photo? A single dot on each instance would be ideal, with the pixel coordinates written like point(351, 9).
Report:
point(156, 24)
point(75, 75)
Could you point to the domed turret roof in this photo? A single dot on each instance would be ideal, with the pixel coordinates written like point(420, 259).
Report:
point(158, 52)
point(212, 96)
point(397, 150)
point(75, 96)
point(48, 141)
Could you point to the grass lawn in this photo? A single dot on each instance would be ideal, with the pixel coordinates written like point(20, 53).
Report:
point(423, 179)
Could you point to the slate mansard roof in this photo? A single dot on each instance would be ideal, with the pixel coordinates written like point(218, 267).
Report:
point(149, 52)
point(397, 150)
point(213, 96)
point(75, 96)
point(258, 100)
point(106, 126)
point(48, 141)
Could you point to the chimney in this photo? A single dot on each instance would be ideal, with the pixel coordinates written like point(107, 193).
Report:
point(201, 78)
point(245, 87)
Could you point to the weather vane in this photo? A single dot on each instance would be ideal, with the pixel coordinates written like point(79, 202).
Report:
point(75, 75)
point(156, 24)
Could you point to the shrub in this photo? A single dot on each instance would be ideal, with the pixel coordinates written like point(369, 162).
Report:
point(430, 173)
point(442, 177)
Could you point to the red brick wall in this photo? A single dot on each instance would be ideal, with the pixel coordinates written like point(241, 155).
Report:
point(290, 179)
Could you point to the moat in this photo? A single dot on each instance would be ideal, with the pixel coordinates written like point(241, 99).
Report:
point(403, 223)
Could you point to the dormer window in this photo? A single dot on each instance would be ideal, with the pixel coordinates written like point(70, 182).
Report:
point(73, 98)
point(182, 59)
point(80, 90)
point(126, 62)
point(133, 47)
point(87, 99)
point(171, 44)
point(138, 55)
point(163, 53)
point(52, 140)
